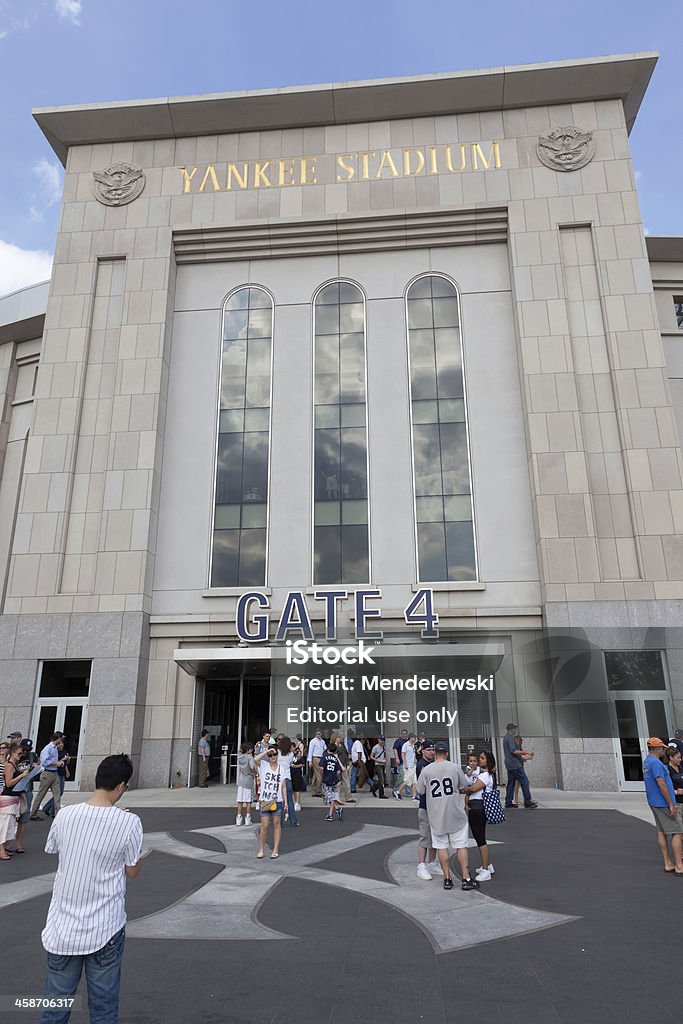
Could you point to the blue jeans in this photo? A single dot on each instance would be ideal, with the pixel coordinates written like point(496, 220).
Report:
point(354, 778)
point(49, 808)
point(517, 775)
point(103, 979)
point(290, 804)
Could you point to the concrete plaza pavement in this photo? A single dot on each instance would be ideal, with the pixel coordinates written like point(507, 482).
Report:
point(340, 929)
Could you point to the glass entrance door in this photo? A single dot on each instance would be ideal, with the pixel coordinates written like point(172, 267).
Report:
point(67, 715)
point(637, 716)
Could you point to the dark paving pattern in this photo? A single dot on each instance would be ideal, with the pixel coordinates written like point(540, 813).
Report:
point(352, 958)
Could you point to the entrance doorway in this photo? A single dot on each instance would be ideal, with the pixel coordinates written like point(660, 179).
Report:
point(68, 715)
point(62, 706)
point(637, 716)
point(640, 707)
point(236, 710)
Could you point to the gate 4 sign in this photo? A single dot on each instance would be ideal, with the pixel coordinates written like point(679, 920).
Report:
point(253, 615)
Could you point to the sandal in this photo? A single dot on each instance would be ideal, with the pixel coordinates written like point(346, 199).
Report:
point(274, 856)
point(259, 855)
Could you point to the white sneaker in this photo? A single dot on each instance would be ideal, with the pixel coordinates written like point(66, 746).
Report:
point(422, 872)
point(247, 820)
point(435, 867)
point(297, 807)
point(238, 819)
point(483, 876)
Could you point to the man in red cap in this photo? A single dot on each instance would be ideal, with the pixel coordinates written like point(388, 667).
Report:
point(662, 800)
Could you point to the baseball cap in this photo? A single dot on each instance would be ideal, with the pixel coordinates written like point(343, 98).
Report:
point(428, 744)
point(27, 744)
point(510, 725)
point(14, 736)
point(441, 748)
point(678, 734)
point(654, 741)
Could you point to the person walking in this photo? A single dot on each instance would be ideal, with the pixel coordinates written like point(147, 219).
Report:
point(379, 757)
point(204, 753)
point(661, 796)
point(99, 847)
point(51, 761)
point(359, 774)
point(297, 772)
point(409, 762)
point(514, 763)
point(64, 774)
point(331, 768)
point(397, 762)
point(442, 783)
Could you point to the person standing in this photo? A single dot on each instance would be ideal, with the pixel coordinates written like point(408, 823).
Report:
point(245, 784)
point(51, 761)
point(99, 847)
point(481, 782)
point(514, 763)
point(426, 854)
point(379, 756)
point(316, 749)
point(286, 758)
point(659, 790)
point(270, 799)
point(297, 773)
point(204, 753)
point(441, 783)
point(10, 802)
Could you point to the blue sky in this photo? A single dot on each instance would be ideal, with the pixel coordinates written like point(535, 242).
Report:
point(56, 52)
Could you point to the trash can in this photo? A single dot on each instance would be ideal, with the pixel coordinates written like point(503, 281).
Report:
point(224, 765)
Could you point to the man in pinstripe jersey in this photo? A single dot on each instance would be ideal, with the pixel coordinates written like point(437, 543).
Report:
point(99, 848)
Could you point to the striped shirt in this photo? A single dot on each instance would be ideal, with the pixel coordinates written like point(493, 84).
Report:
point(88, 904)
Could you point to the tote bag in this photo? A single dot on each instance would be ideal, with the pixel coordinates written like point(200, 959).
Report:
point(495, 814)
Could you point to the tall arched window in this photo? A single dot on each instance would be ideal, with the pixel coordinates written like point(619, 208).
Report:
point(441, 465)
point(340, 472)
point(240, 517)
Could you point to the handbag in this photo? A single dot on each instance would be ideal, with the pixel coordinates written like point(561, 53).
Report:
point(267, 806)
point(495, 815)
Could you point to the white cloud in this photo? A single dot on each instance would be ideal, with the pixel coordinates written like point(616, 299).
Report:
point(49, 176)
point(22, 267)
point(70, 9)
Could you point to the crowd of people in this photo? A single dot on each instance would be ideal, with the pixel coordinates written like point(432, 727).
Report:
point(19, 766)
point(85, 927)
point(274, 772)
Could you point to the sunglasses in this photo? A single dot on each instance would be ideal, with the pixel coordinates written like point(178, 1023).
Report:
point(272, 753)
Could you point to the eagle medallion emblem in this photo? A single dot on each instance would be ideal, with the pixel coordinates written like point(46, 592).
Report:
point(565, 149)
point(118, 184)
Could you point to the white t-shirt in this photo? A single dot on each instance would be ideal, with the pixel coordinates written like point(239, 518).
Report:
point(487, 779)
point(88, 904)
point(357, 752)
point(285, 765)
point(408, 752)
point(270, 780)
